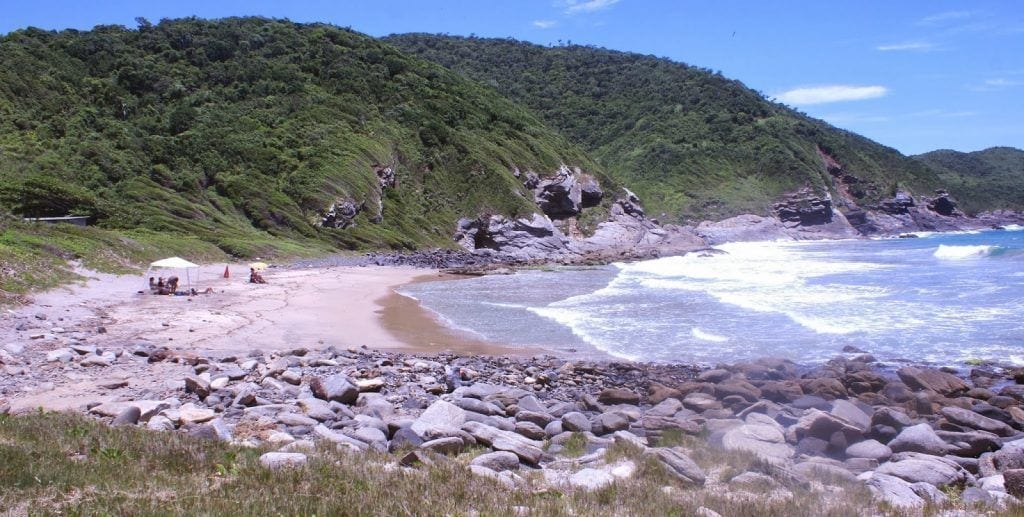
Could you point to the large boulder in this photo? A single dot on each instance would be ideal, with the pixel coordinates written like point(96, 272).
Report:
point(940, 382)
point(576, 422)
point(970, 444)
point(818, 424)
point(618, 396)
point(870, 449)
point(498, 461)
point(280, 460)
point(440, 415)
point(763, 439)
point(924, 468)
point(895, 491)
point(335, 387)
point(607, 423)
point(679, 465)
point(529, 451)
point(1009, 457)
point(891, 418)
point(824, 387)
point(919, 438)
point(972, 420)
point(851, 413)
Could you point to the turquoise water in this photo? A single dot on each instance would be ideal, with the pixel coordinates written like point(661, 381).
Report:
point(940, 298)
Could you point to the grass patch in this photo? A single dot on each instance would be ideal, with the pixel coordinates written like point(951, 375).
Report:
point(58, 463)
point(575, 446)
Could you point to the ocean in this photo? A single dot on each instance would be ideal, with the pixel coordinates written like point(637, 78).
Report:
point(943, 299)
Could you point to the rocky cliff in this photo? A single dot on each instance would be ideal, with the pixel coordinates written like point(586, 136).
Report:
point(564, 197)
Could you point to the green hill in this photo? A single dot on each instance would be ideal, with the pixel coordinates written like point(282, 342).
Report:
point(259, 136)
point(982, 180)
point(692, 143)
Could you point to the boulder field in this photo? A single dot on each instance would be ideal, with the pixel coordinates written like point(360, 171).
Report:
point(912, 434)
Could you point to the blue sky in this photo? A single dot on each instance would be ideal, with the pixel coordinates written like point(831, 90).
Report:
point(914, 75)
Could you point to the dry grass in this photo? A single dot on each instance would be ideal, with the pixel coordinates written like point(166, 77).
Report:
point(64, 463)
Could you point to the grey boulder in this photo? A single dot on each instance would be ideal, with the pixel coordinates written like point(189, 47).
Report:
point(918, 438)
point(679, 465)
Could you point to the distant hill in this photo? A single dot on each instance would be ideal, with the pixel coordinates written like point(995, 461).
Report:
point(261, 136)
point(692, 143)
point(981, 180)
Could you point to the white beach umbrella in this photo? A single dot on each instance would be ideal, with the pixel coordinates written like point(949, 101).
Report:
point(189, 268)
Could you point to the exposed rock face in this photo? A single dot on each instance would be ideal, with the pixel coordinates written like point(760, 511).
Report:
point(341, 213)
point(627, 232)
point(804, 208)
point(742, 228)
point(942, 204)
point(385, 176)
point(900, 204)
point(520, 239)
point(566, 193)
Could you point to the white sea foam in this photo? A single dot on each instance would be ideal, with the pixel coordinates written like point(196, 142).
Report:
point(505, 305)
point(707, 336)
point(946, 252)
point(584, 326)
point(408, 295)
point(1013, 228)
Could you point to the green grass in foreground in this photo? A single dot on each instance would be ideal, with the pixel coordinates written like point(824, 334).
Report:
point(54, 463)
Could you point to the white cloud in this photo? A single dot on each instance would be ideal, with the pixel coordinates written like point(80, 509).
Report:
point(587, 6)
point(941, 18)
point(544, 24)
point(998, 84)
point(830, 93)
point(920, 46)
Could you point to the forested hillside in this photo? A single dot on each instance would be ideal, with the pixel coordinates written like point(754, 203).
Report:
point(258, 135)
point(982, 180)
point(692, 143)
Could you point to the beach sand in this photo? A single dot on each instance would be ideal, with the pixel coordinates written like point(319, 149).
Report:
point(312, 308)
point(344, 307)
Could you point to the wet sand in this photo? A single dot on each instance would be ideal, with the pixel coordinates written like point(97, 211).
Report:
point(424, 332)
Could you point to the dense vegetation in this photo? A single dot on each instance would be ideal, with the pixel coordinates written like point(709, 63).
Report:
point(690, 142)
point(982, 180)
point(245, 131)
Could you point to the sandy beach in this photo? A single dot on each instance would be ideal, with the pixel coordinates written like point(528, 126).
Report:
point(313, 308)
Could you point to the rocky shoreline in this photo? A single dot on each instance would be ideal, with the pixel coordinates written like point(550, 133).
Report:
point(914, 436)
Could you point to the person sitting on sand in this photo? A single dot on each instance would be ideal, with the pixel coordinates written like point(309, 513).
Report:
point(152, 285)
point(255, 277)
point(172, 284)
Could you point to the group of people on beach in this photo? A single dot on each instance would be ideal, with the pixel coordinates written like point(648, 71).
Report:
point(170, 286)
